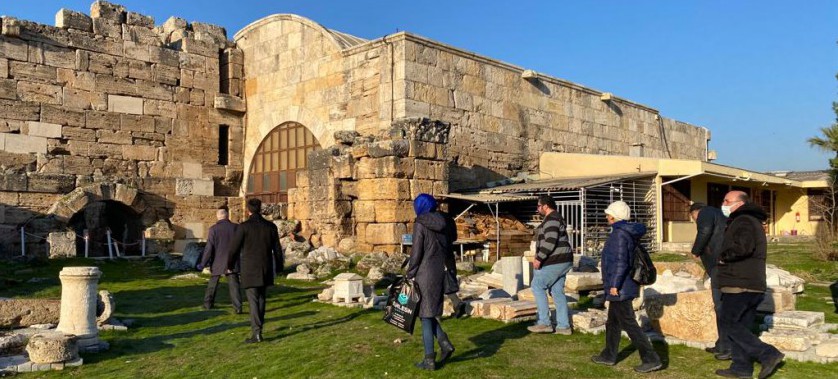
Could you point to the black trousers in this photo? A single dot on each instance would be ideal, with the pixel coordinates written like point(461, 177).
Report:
point(256, 303)
point(723, 343)
point(232, 285)
point(621, 317)
point(738, 313)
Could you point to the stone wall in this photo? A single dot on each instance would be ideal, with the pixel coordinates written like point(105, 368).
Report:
point(110, 99)
point(357, 195)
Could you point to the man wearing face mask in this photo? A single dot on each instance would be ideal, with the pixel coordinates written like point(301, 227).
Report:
point(741, 279)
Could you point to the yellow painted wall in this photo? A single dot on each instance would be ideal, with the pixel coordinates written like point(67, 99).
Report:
point(680, 231)
point(789, 202)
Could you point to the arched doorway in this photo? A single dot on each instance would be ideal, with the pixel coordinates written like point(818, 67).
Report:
point(97, 217)
point(275, 164)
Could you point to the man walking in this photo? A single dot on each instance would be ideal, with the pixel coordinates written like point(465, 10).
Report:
point(621, 289)
point(257, 242)
point(553, 260)
point(216, 254)
point(741, 276)
point(710, 225)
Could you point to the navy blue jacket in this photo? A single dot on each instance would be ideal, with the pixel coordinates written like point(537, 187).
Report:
point(218, 247)
point(617, 258)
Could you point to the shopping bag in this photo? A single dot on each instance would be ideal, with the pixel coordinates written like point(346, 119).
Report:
point(402, 305)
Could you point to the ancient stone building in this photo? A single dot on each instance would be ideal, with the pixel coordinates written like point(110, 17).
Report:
point(110, 117)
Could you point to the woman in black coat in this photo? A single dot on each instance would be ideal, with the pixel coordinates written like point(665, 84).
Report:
point(427, 268)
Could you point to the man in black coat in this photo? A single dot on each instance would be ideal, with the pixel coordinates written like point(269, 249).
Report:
point(710, 224)
point(257, 242)
point(215, 254)
point(741, 277)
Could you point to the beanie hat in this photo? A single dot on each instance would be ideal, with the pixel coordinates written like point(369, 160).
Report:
point(424, 203)
point(619, 210)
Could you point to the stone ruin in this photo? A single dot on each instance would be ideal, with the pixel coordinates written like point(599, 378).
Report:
point(49, 334)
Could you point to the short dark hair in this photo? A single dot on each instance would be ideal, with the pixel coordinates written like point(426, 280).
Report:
point(254, 206)
point(696, 206)
point(548, 201)
point(224, 207)
point(744, 197)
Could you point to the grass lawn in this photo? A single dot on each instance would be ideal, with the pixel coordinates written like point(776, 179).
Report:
point(173, 338)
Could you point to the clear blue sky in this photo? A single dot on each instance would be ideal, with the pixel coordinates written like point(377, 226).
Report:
point(759, 74)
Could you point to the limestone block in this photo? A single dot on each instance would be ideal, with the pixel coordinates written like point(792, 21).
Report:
point(39, 92)
point(384, 189)
point(693, 269)
point(393, 211)
point(81, 99)
point(52, 348)
point(667, 283)
point(50, 183)
point(105, 307)
point(174, 23)
point(133, 18)
point(107, 28)
point(390, 233)
point(420, 186)
point(828, 349)
point(10, 27)
point(342, 166)
point(794, 320)
point(215, 33)
point(62, 244)
point(23, 144)
point(8, 89)
point(398, 148)
point(230, 103)
point(776, 277)
point(364, 211)
point(192, 170)
point(136, 123)
point(125, 104)
point(4, 68)
point(102, 120)
point(139, 152)
point(186, 187)
point(68, 19)
point(788, 340)
point(105, 10)
point(386, 167)
point(44, 129)
point(195, 230)
point(582, 281)
point(21, 313)
point(777, 299)
point(687, 315)
point(482, 308)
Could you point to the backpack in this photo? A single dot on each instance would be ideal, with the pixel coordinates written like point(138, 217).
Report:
point(642, 269)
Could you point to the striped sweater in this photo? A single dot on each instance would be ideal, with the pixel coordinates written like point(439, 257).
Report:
point(552, 245)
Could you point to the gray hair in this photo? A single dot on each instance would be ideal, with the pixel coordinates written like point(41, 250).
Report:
point(222, 214)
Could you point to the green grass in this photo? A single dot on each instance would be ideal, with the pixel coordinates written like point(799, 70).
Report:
point(173, 338)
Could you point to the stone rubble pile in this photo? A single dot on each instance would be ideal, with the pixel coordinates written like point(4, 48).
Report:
point(802, 336)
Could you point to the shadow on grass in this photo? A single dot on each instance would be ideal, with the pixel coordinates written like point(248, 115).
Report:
point(490, 342)
point(662, 348)
point(833, 288)
point(317, 325)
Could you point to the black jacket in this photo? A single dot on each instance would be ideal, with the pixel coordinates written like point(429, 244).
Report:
point(710, 226)
point(551, 244)
point(427, 261)
point(257, 242)
point(218, 247)
point(742, 258)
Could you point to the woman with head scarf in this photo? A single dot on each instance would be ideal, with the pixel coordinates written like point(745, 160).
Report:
point(427, 268)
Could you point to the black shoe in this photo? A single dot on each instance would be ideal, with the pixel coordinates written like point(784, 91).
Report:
point(712, 350)
point(770, 365)
point(206, 307)
point(649, 367)
point(445, 349)
point(728, 373)
point(254, 339)
point(237, 311)
point(599, 359)
point(427, 363)
point(723, 356)
point(461, 311)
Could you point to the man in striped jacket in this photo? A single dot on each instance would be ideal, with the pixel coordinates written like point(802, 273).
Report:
point(553, 260)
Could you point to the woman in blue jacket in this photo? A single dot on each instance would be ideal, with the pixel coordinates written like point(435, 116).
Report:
point(620, 289)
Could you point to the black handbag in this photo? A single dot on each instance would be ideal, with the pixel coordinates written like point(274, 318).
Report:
point(451, 284)
point(402, 305)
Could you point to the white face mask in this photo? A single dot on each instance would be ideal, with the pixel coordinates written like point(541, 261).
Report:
point(726, 210)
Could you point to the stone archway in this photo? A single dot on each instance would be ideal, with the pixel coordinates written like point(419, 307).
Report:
point(101, 207)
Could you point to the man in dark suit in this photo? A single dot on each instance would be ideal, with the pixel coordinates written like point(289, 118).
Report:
point(710, 226)
point(216, 254)
point(257, 242)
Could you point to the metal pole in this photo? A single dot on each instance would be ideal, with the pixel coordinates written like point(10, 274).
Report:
point(142, 245)
point(497, 230)
point(110, 245)
point(22, 242)
point(86, 243)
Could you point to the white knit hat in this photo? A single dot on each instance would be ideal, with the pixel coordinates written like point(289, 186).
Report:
point(619, 210)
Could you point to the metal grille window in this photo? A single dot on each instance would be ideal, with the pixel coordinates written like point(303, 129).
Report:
point(274, 167)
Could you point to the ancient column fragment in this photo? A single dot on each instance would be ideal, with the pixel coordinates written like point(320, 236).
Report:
point(79, 296)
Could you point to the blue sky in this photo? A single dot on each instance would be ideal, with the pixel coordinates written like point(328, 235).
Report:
point(759, 74)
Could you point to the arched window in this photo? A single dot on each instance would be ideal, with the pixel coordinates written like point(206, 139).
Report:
point(274, 167)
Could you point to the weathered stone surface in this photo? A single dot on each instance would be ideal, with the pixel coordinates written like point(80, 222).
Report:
point(776, 277)
point(398, 148)
point(186, 187)
point(125, 104)
point(79, 294)
point(44, 129)
point(12, 343)
point(384, 189)
point(52, 348)
point(62, 244)
point(828, 349)
point(687, 315)
point(794, 319)
point(133, 18)
point(582, 281)
point(777, 299)
point(390, 233)
point(23, 144)
point(105, 307)
point(788, 340)
point(105, 10)
point(229, 103)
point(68, 19)
point(20, 313)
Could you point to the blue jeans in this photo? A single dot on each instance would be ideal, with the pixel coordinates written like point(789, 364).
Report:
point(430, 329)
point(551, 278)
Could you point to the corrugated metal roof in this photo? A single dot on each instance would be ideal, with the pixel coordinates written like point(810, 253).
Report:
point(563, 184)
point(803, 175)
point(488, 198)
